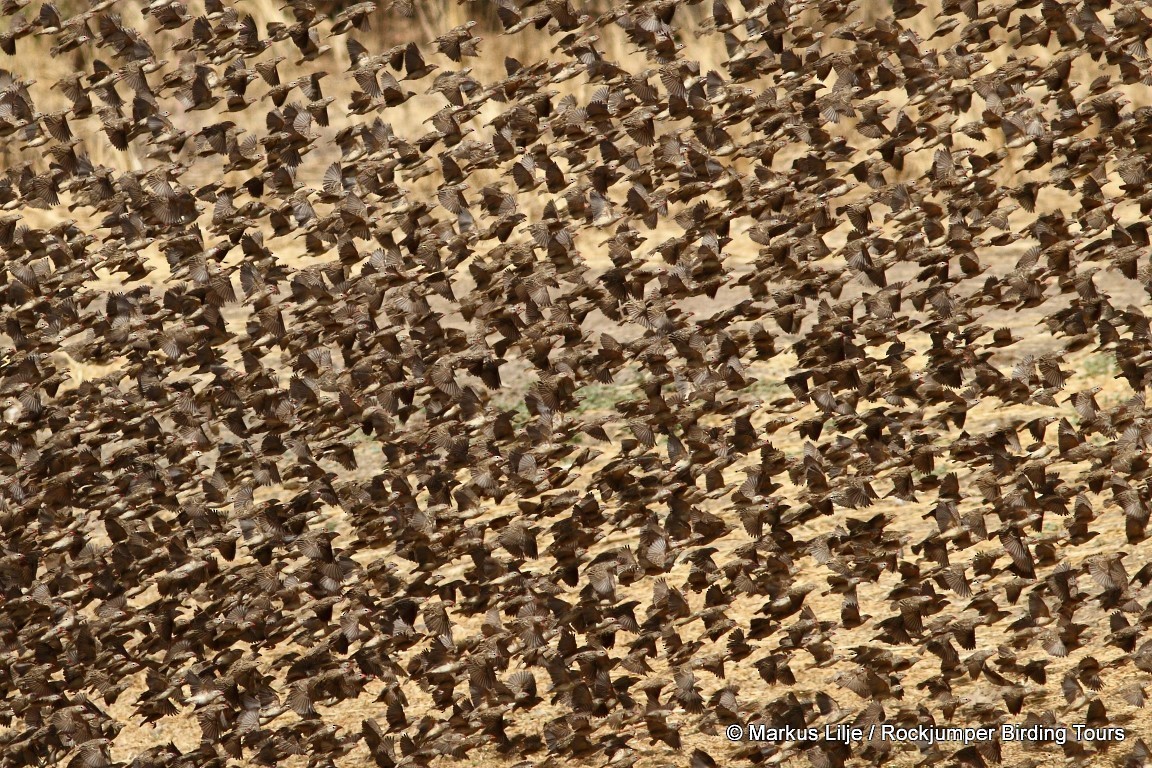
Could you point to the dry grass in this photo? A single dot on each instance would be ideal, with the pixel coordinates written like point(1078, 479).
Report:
point(1088, 368)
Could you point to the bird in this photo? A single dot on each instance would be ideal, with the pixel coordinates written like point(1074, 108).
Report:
point(567, 375)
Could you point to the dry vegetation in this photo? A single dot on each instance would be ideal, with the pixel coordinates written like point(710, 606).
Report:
point(687, 363)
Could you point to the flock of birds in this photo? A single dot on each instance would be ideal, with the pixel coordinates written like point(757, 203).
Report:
point(297, 479)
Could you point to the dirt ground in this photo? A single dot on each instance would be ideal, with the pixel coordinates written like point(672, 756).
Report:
point(912, 522)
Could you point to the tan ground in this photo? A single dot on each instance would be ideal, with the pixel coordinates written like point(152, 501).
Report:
point(1090, 369)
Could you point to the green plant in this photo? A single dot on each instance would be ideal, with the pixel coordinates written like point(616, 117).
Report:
point(1099, 366)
